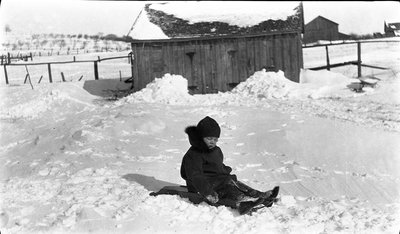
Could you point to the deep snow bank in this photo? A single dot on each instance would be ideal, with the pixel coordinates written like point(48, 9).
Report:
point(172, 89)
point(42, 99)
point(266, 85)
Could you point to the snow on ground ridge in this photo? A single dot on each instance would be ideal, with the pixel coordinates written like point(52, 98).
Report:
point(266, 85)
point(44, 100)
point(172, 89)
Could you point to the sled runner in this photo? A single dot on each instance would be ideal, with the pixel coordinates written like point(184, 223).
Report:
point(244, 208)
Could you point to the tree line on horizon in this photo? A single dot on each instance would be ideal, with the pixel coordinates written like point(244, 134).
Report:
point(63, 41)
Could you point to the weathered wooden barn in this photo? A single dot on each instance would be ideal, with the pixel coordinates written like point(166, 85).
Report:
point(322, 28)
point(216, 56)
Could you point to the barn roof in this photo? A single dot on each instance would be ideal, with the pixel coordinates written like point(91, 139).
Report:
point(322, 18)
point(394, 26)
point(193, 19)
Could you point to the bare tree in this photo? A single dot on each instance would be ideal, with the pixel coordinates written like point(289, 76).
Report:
point(7, 28)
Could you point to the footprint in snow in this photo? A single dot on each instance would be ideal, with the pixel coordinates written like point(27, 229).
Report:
point(290, 162)
point(275, 130)
point(172, 150)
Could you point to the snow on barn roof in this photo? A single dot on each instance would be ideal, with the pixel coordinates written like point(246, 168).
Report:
point(184, 19)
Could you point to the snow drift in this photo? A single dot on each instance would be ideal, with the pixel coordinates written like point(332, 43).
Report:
point(172, 89)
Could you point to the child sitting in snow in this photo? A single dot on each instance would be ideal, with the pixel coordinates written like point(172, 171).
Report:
point(205, 173)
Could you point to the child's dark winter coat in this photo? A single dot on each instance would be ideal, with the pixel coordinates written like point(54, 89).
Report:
point(203, 168)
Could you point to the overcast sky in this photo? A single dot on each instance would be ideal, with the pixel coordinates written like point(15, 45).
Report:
point(91, 17)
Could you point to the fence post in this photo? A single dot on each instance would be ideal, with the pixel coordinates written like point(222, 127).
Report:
point(5, 73)
point(359, 58)
point(62, 77)
point(26, 77)
point(49, 68)
point(96, 71)
point(327, 59)
point(9, 58)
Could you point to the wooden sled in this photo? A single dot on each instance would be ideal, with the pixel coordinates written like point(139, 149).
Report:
point(197, 198)
point(193, 197)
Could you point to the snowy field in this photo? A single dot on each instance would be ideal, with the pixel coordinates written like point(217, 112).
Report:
point(76, 163)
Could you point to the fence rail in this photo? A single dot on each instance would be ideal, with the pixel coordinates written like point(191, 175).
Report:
point(7, 57)
point(95, 66)
point(358, 62)
point(348, 43)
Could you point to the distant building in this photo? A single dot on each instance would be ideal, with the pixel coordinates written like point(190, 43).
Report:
point(378, 35)
point(322, 28)
point(392, 29)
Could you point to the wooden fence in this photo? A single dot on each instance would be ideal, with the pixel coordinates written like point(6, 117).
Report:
point(49, 64)
point(7, 59)
point(357, 62)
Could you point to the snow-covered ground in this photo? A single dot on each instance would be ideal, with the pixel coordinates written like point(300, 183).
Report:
point(75, 163)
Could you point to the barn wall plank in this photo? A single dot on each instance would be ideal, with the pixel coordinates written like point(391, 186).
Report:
point(201, 47)
point(250, 56)
point(215, 59)
point(135, 63)
point(180, 58)
point(242, 60)
point(143, 80)
point(257, 54)
point(269, 52)
point(209, 61)
point(264, 51)
point(277, 56)
point(233, 56)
